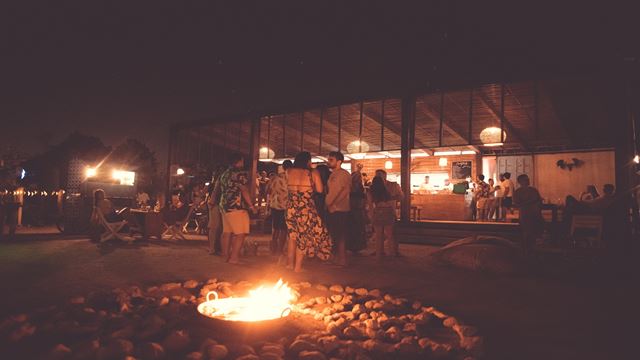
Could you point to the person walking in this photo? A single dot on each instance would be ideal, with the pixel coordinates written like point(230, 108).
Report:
point(338, 204)
point(234, 201)
point(277, 195)
point(382, 208)
point(308, 237)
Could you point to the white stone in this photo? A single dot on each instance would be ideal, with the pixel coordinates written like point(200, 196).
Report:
point(217, 352)
point(190, 284)
point(311, 355)
point(336, 288)
point(361, 291)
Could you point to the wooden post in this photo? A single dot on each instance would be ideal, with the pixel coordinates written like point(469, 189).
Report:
point(408, 122)
point(172, 144)
point(254, 153)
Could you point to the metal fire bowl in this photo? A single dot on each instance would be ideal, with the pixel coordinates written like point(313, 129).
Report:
point(252, 329)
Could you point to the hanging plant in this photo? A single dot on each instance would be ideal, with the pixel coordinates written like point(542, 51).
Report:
point(569, 165)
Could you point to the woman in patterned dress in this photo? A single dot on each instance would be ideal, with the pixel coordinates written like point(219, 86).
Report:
point(308, 235)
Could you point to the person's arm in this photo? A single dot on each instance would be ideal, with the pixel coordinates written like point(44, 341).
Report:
point(215, 194)
point(398, 194)
point(246, 196)
point(331, 194)
point(317, 181)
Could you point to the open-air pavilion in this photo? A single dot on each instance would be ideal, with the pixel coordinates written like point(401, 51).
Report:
point(565, 133)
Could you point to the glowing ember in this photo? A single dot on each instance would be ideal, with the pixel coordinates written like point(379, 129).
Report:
point(263, 303)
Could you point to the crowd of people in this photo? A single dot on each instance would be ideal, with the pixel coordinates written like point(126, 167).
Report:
point(316, 211)
point(491, 201)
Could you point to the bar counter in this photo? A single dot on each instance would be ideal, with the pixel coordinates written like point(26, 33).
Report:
point(443, 206)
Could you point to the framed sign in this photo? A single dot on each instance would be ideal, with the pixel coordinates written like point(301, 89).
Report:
point(461, 170)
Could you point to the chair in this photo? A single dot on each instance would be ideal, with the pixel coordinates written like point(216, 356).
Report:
point(111, 229)
point(586, 227)
point(176, 231)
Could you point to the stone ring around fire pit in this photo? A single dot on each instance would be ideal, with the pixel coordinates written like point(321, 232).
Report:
point(189, 321)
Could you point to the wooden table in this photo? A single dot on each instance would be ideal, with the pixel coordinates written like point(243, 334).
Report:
point(150, 221)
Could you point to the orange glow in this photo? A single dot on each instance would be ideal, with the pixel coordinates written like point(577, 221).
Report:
point(262, 303)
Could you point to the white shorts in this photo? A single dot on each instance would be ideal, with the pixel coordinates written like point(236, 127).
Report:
point(235, 222)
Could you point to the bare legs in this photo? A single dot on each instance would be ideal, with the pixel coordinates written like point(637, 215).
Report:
point(295, 256)
point(388, 233)
point(341, 250)
point(231, 247)
point(236, 247)
point(275, 237)
point(379, 232)
point(382, 233)
point(226, 243)
point(291, 253)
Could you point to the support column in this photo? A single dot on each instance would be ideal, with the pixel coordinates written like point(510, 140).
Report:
point(408, 120)
point(254, 153)
point(172, 144)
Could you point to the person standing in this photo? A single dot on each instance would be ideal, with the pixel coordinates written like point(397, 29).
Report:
point(528, 200)
point(482, 198)
point(499, 199)
point(507, 191)
point(277, 195)
point(338, 204)
point(215, 216)
point(356, 234)
point(234, 201)
point(382, 208)
point(320, 198)
point(307, 234)
point(263, 184)
point(491, 203)
point(395, 191)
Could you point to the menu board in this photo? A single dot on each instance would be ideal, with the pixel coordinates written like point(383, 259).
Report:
point(460, 170)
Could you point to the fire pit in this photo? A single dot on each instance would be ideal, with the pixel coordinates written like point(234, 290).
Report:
point(263, 306)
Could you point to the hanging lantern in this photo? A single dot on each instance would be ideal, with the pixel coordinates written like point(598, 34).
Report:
point(388, 164)
point(357, 146)
point(266, 154)
point(442, 161)
point(491, 136)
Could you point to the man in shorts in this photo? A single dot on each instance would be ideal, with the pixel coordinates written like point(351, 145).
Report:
point(234, 201)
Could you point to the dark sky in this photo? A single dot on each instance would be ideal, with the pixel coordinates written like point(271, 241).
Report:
point(119, 69)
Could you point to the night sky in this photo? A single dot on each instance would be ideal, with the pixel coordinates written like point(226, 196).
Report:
point(117, 70)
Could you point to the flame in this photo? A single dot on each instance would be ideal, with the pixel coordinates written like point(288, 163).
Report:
point(262, 303)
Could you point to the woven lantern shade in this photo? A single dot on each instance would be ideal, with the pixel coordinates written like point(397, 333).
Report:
point(491, 135)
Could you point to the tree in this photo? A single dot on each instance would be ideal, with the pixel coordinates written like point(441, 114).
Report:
point(50, 168)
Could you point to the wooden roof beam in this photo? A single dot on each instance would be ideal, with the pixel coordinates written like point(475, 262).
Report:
point(393, 128)
point(436, 117)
